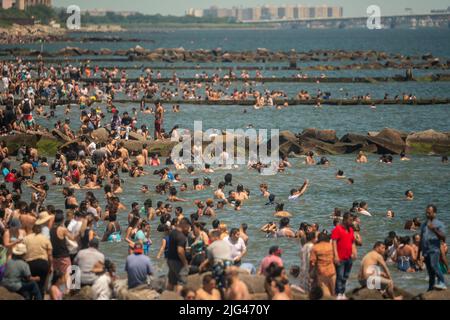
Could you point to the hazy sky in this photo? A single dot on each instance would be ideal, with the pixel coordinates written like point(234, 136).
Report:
point(178, 7)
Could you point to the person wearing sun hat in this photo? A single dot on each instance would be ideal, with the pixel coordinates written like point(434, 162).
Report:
point(17, 277)
point(43, 221)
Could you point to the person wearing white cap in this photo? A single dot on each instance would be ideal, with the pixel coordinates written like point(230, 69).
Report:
point(17, 277)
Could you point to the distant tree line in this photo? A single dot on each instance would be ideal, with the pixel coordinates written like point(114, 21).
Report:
point(45, 14)
point(40, 13)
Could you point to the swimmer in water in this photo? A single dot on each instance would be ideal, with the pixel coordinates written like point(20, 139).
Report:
point(296, 193)
point(280, 212)
point(403, 157)
point(409, 195)
point(361, 158)
point(362, 209)
point(310, 158)
point(390, 214)
point(340, 175)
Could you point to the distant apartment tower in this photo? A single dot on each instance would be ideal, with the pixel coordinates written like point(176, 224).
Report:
point(195, 12)
point(6, 4)
point(23, 4)
point(270, 12)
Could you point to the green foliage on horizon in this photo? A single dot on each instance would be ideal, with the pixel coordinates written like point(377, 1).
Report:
point(45, 14)
point(40, 13)
point(138, 18)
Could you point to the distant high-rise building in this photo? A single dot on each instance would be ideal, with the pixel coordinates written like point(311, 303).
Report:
point(270, 12)
point(195, 12)
point(23, 4)
point(6, 4)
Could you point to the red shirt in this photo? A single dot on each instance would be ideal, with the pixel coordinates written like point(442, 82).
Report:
point(10, 177)
point(344, 240)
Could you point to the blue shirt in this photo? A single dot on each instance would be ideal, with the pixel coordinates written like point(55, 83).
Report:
point(430, 242)
point(138, 267)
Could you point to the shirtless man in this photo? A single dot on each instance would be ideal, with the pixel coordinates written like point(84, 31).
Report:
point(310, 159)
point(145, 154)
point(27, 169)
point(219, 194)
point(27, 220)
point(240, 193)
point(159, 117)
point(371, 275)
point(361, 158)
point(238, 289)
point(140, 159)
point(208, 291)
point(66, 129)
point(264, 190)
point(124, 155)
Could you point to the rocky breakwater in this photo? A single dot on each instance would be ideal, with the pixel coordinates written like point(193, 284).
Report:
point(357, 59)
point(387, 141)
point(19, 34)
point(322, 142)
point(156, 289)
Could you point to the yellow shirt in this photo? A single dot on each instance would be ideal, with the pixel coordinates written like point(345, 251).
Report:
point(37, 247)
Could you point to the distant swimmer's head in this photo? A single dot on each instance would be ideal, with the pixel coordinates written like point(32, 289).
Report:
point(409, 194)
point(279, 207)
point(284, 222)
point(390, 214)
point(228, 178)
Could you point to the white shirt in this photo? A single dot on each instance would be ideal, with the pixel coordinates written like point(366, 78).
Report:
point(237, 248)
point(91, 147)
point(101, 290)
point(74, 227)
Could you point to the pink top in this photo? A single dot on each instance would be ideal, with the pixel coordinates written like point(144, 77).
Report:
point(265, 263)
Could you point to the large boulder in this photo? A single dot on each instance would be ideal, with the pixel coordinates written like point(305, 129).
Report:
point(14, 142)
point(255, 283)
point(288, 144)
point(85, 293)
point(136, 136)
point(322, 135)
point(371, 294)
point(428, 141)
point(100, 135)
point(194, 281)
point(106, 52)
point(143, 292)
point(170, 295)
point(434, 295)
point(5, 294)
point(61, 136)
point(154, 56)
point(259, 296)
point(71, 51)
point(388, 141)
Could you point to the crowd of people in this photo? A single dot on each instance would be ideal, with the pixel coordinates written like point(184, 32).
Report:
point(42, 241)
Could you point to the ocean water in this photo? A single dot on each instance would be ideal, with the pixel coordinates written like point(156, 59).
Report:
point(381, 186)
